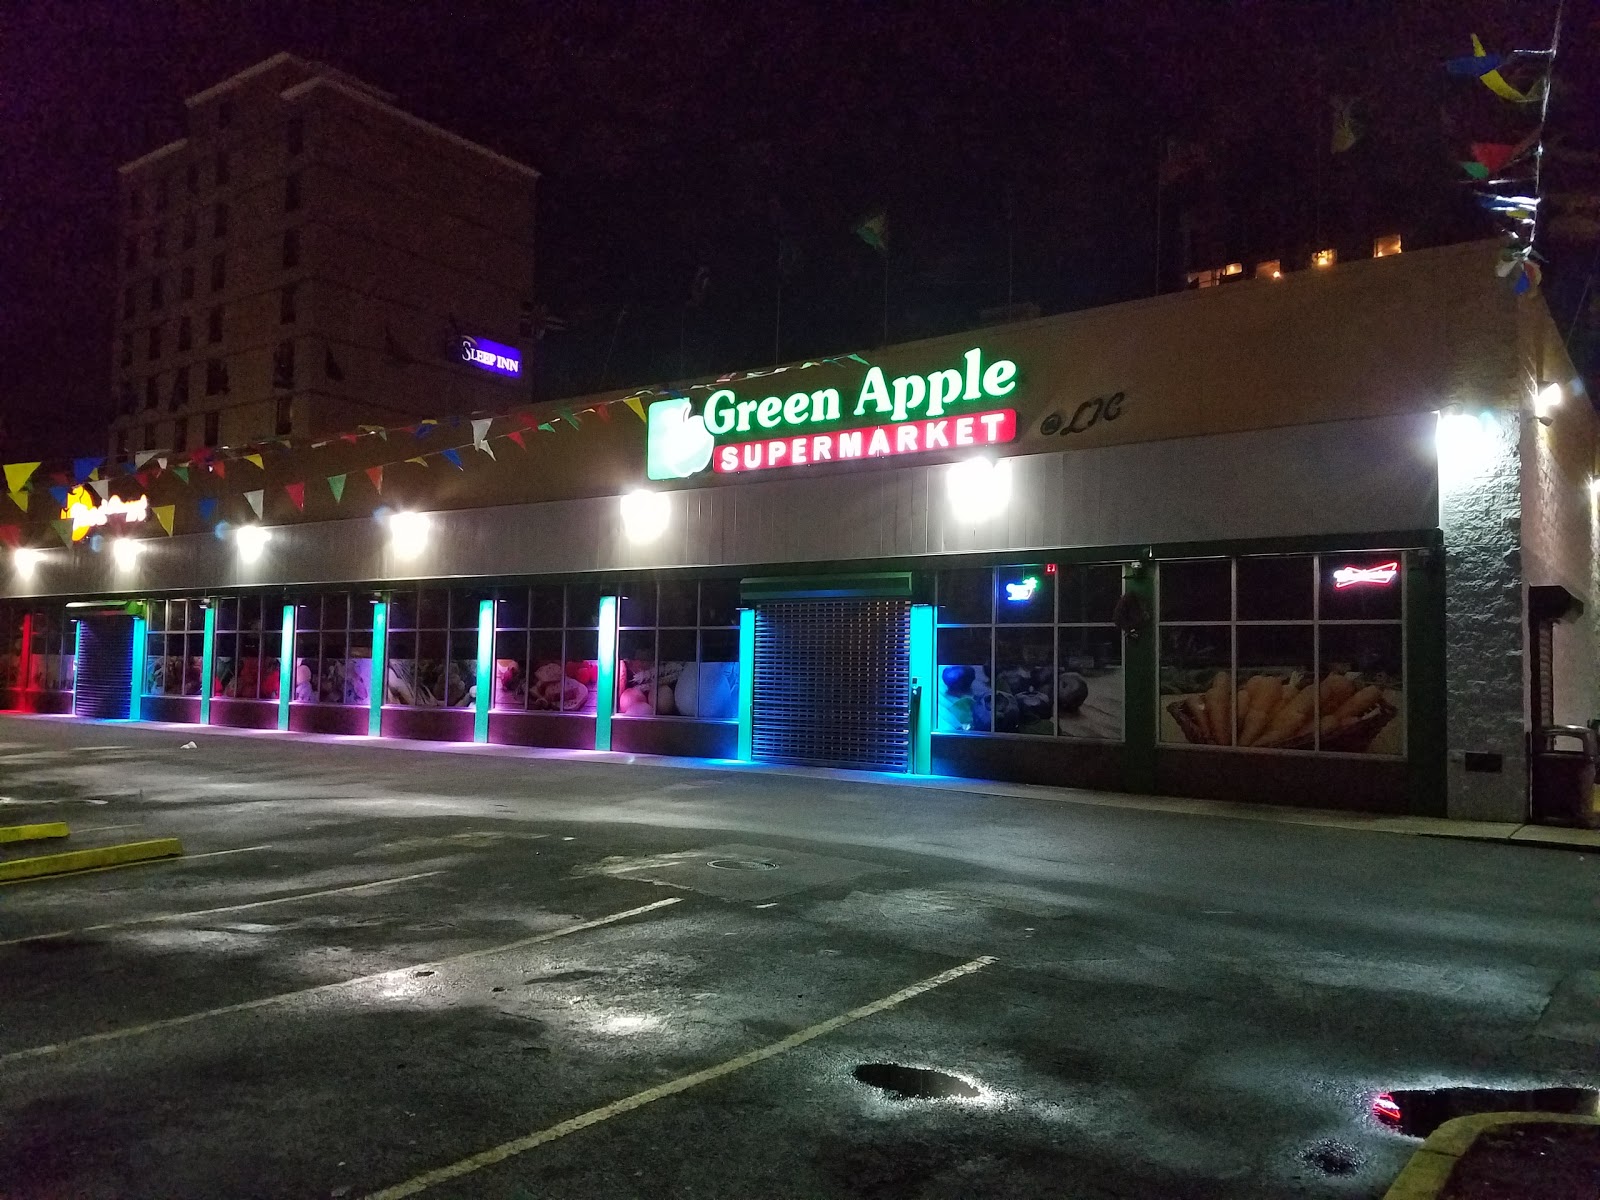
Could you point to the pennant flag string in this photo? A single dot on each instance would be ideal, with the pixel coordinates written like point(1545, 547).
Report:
point(336, 486)
point(257, 500)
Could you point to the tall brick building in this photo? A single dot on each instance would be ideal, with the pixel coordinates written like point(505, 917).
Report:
point(310, 258)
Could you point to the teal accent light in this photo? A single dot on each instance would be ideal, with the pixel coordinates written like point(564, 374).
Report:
point(208, 661)
point(480, 716)
point(286, 667)
point(747, 681)
point(922, 689)
point(134, 701)
point(380, 667)
point(605, 684)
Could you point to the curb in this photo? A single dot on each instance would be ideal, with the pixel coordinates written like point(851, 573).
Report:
point(88, 860)
point(1425, 1175)
point(32, 833)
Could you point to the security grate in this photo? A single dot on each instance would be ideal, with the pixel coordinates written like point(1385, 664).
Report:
point(833, 683)
point(105, 668)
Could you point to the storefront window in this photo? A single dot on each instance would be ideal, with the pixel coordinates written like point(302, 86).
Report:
point(1289, 653)
point(175, 648)
point(248, 647)
point(10, 644)
point(678, 649)
point(333, 649)
point(433, 648)
point(52, 660)
point(1030, 649)
point(546, 648)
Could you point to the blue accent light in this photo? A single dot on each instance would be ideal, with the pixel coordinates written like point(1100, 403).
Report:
point(136, 699)
point(747, 682)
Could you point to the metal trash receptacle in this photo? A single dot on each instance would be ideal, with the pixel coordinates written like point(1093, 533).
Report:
point(1563, 780)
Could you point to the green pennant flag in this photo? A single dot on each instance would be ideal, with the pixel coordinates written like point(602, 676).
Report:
point(547, 428)
point(566, 415)
point(182, 472)
point(1476, 170)
point(336, 486)
point(63, 530)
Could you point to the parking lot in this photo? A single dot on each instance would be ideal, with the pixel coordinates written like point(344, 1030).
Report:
point(386, 972)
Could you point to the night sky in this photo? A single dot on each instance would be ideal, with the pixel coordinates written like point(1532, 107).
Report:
point(681, 134)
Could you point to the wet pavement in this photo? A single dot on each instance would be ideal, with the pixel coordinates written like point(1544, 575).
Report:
point(375, 966)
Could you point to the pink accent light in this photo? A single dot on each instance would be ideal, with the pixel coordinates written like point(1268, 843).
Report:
point(1352, 576)
point(875, 441)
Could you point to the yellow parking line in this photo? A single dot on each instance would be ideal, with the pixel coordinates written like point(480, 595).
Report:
point(683, 1083)
point(187, 858)
point(114, 1035)
point(206, 912)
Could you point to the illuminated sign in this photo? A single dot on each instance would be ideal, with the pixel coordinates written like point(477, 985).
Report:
point(86, 511)
point(1355, 576)
point(1023, 590)
point(492, 356)
point(909, 414)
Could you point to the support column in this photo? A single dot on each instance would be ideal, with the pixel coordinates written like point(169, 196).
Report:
point(208, 660)
point(380, 667)
point(480, 715)
point(136, 700)
point(286, 667)
point(747, 682)
point(923, 689)
point(605, 684)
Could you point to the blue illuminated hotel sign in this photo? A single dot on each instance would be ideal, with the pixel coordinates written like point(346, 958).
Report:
point(492, 357)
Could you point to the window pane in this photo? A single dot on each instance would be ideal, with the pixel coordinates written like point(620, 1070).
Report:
point(582, 669)
point(712, 692)
point(1363, 702)
point(271, 666)
point(1024, 681)
point(433, 609)
point(1361, 587)
point(1196, 684)
point(636, 606)
point(545, 607)
point(1024, 595)
point(1275, 589)
point(227, 614)
point(1200, 590)
point(678, 600)
point(510, 670)
point(362, 608)
point(965, 699)
point(546, 669)
point(511, 609)
point(223, 655)
point(403, 610)
point(719, 602)
point(964, 596)
point(305, 668)
point(358, 670)
point(1089, 682)
point(583, 605)
point(464, 605)
point(193, 667)
point(1090, 593)
point(1275, 706)
point(461, 676)
point(307, 614)
point(330, 678)
point(636, 672)
point(675, 672)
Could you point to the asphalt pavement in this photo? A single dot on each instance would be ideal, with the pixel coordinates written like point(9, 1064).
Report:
point(388, 972)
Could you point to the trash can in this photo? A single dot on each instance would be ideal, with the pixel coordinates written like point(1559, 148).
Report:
point(1563, 780)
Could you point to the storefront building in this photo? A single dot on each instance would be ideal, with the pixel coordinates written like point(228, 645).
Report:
point(1326, 540)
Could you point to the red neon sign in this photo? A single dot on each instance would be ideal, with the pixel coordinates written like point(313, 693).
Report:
point(874, 441)
point(1353, 576)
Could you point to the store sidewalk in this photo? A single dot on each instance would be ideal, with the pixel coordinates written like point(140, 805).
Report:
point(1483, 831)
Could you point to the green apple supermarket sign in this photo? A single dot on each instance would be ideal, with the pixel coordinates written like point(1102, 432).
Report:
point(910, 414)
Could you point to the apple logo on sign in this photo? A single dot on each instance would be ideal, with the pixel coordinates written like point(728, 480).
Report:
point(677, 442)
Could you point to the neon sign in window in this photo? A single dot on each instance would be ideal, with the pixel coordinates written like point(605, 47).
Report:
point(1379, 576)
point(1022, 591)
point(85, 510)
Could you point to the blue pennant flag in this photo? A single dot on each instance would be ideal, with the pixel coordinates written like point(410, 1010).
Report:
point(82, 468)
point(208, 509)
point(455, 459)
point(60, 493)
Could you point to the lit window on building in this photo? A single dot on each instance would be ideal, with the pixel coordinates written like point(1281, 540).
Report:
point(1271, 269)
point(1211, 278)
point(1325, 258)
point(1385, 246)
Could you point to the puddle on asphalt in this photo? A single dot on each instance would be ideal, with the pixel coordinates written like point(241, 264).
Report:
point(1418, 1112)
point(742, 864)
point(915, 1083)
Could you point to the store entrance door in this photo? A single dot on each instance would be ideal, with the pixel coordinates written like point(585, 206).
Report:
point(833, 683)
point(104, 687)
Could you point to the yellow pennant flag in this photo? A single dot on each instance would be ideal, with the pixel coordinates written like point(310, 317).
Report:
point(21, 500)
point(634, 403)
point(164, 515)
point(18, 474)
point(418, 459)
point(253, 458)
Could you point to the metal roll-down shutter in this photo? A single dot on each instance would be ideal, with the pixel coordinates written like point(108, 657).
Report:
point(105, 668)
point(833, 683)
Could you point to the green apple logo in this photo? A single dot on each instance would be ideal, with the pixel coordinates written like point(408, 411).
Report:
point(677, 443)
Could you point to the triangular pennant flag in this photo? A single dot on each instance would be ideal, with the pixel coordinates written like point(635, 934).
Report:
point(220, 468)
point(336, 486)
point(348, 437)
point(376, 475)
point(60, 493)
point(528, 420)
point(182, 472)
point(254, 458)
point(63, 530)
point(297, 493)
point(208, 509)
point(102, 487)
point(418, 459)
point(546, 427)
point(566, 415)
point(11, 535)
point(161, 461)
point(82, 468)
point(18, 474)
point(1493, 155)
point(1476, 170)
point(603, 412)
point(480, 428)
point(164, 515)
point(144, 479)
point(424, 428)
point(516, 436)
point(143, 457)
point(488, 449)
point(454, 459)
point(257, 500)
point(20, 499)
point(636, 405)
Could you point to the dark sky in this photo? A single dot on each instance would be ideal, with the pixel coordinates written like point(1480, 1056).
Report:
point(675, 134)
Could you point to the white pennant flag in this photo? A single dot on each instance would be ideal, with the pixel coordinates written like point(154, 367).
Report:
point(480, 428)
point(256, 499)
point(143, 457)
point(102, 487)
point(161, 461)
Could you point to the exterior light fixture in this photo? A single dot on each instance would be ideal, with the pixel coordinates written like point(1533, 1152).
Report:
point(979, 488)
point(252, 541)
point(408, 533)
point(1325, 258)
point(1545, 401)
point(645, 515)
point(26, 561)
point(1465, 444)
point(1594, 486)
point(125, 552)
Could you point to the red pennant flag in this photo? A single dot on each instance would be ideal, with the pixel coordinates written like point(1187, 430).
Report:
point(144, 479)
point(297, 493)
point(603, 411)
point(376, 475)
point(348, 437)
point(221, 469)
point(11, 535)
point(516, 436)
point(1493, 155)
